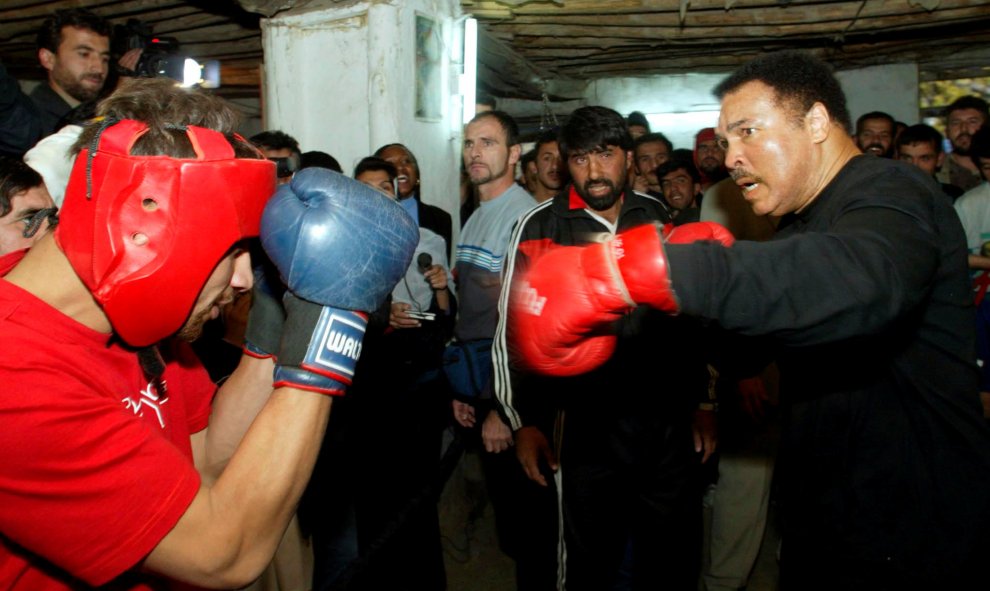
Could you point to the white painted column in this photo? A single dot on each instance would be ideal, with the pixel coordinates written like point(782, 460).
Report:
point(343, 80)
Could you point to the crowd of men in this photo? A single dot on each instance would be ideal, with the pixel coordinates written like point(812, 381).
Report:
point(792, 301)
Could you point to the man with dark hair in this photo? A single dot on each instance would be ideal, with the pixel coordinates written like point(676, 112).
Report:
point(962, 120)
point(490, 152)
point(409, 193)
point(282, 149)
point(484, 102)
point(638, 124)
point(650, 151)
point(377, 173)
point(921, 145)
point(548, 166)
point(320, 159)
point(527, 177)
point(120, 466)
point(974, 213)
point(377, 485)
point(863, 299)
point(20, 125)
point(27, 211)
point(627, 460)
point(74, 47)
point(680, 182)
point(875, 133)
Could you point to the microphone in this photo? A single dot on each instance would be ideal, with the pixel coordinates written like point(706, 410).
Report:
point(424, 260)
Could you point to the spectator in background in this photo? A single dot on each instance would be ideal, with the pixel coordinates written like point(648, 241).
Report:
point(637, 124)
point(74, 48)
point(528, 172)
point(377, 173)
point(282, 149)
point(20, 125)
point(709, 157)
point(630, 509)
point(650, 151)
point(974, 213)
point(484, 102)
point(27, 211)
point(875, 133)
point(921, 145)
point(962, 120)
point(549, 179)
point(372, 502)
point(681, 186)
point(320, 159)
point(490, 152)
point(409, 192)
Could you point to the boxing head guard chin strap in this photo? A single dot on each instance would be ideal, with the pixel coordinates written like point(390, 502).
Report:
point(144, 233)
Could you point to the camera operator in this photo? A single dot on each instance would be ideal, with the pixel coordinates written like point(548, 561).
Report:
point(74, 47)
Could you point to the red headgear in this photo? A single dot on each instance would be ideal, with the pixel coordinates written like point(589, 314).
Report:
point(705, 135)
point(144, 233)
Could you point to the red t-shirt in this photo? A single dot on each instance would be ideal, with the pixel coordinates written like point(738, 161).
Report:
point(95, 464)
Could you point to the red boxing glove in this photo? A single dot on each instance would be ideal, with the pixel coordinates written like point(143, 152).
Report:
point(561, 312)
point(642, 260)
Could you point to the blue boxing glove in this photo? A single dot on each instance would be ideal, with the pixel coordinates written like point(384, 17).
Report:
point(340, 247)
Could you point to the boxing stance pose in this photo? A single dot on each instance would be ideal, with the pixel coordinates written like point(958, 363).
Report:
point(116, 470)
point(862, 298)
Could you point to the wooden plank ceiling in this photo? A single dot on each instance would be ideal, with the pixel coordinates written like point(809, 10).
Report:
point(528, 46)
point(589, 39)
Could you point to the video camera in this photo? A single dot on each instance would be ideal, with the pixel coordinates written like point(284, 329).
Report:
point(160, 57)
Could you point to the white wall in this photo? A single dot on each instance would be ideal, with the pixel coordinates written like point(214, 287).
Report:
point(679, 105)
point(892, 88)
point(343, 81)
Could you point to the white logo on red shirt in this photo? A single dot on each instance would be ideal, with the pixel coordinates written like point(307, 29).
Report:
point(148, 399)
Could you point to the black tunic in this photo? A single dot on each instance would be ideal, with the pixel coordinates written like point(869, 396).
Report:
point(885, 459)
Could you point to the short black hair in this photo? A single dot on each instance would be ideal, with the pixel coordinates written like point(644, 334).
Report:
point(979, 148)
point(546, 137)
point(378, 154)
point(371, 163)
point(969, 102)
point(316, 158)
point(593, 128)
point(275, 140)
point(676, 164)
point(15, 178)
point(796, 77)
point(50, 34)
point(876, 115)
point(649, 138)
point(527, 158)
point(921, 134)
point(483, 98)
point(637, 118)
point(508, 124)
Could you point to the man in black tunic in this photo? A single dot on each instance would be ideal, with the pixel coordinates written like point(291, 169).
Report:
point(862, 298)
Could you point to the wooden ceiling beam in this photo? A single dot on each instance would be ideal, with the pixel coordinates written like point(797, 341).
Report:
point(614, 6)
point(758, 17)
point(664, 62)
point(596, 7)
point(608, 31)
point(35, 12)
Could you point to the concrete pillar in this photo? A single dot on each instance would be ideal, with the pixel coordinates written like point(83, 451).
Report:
point(342, 79)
